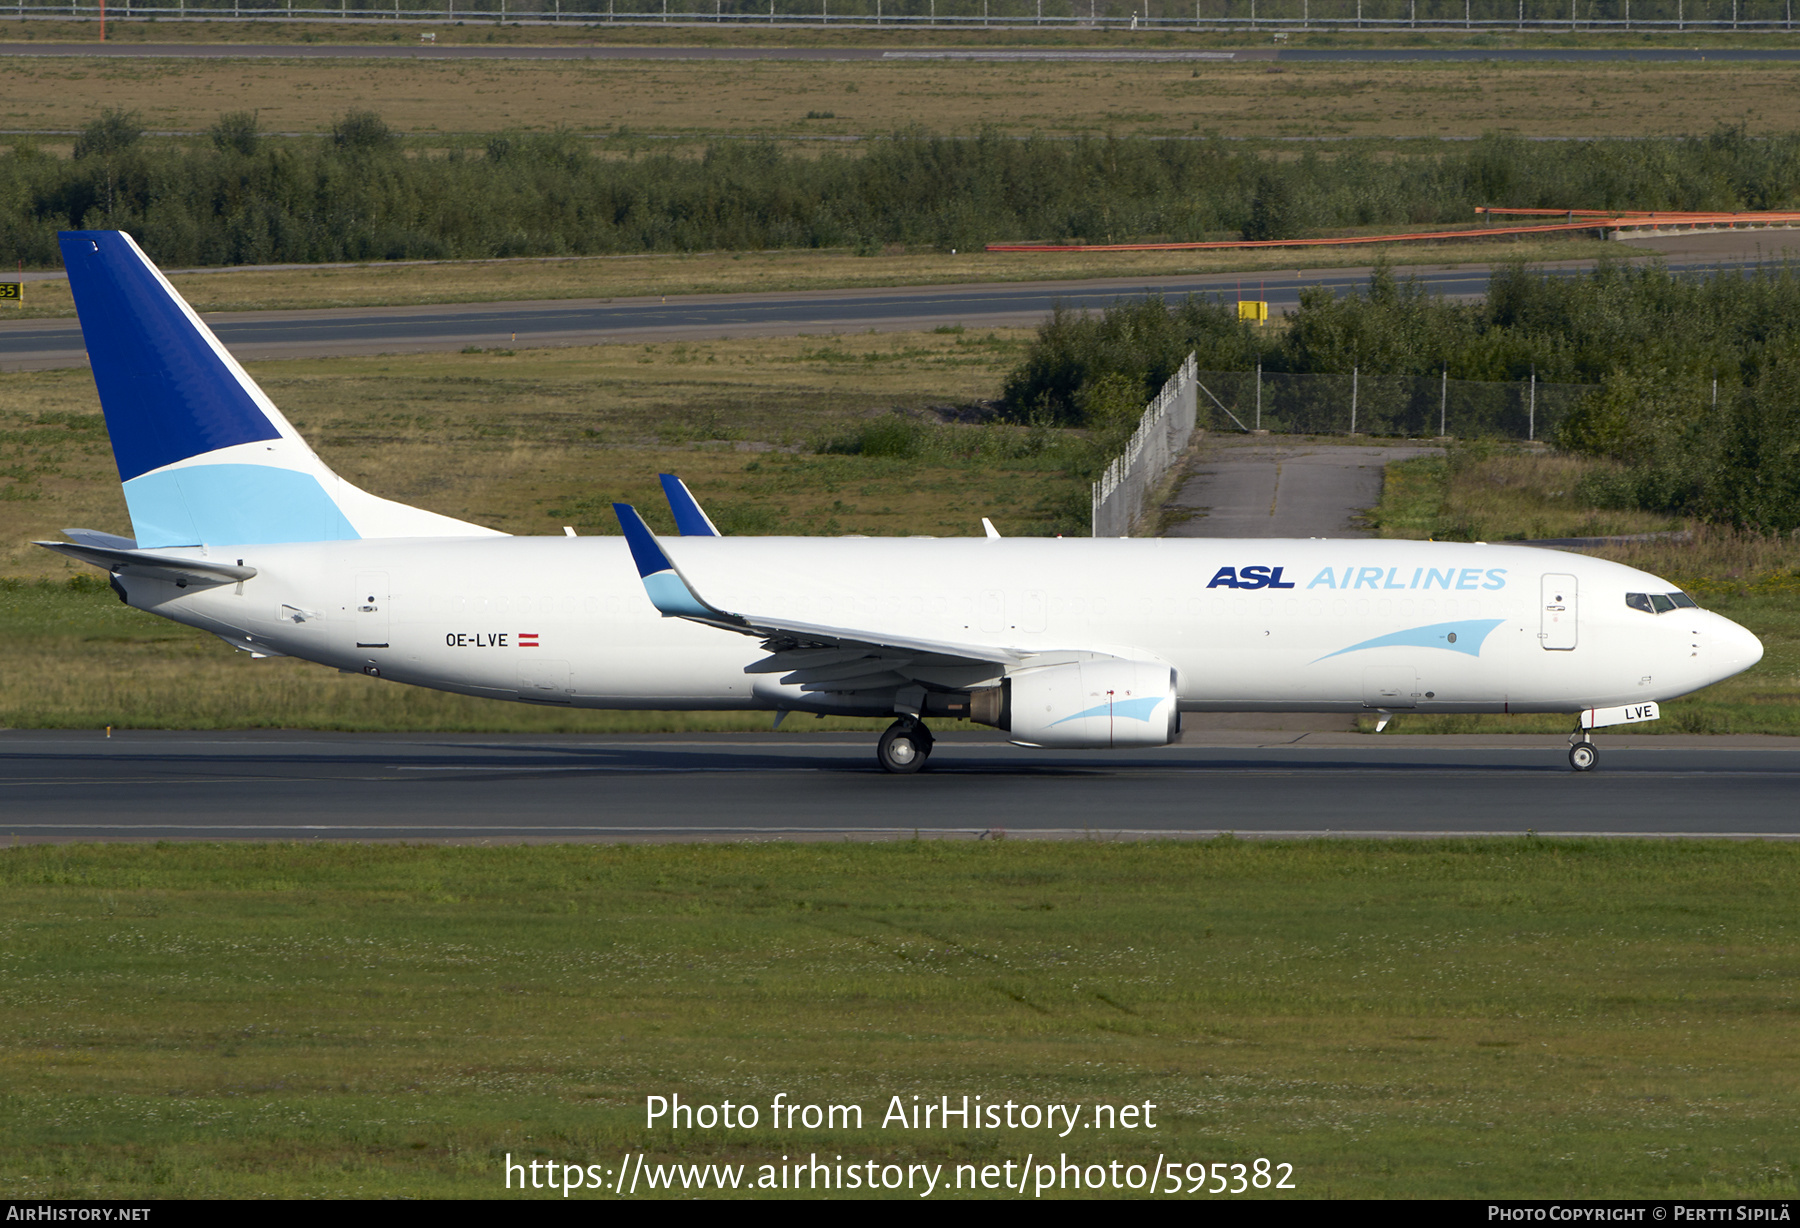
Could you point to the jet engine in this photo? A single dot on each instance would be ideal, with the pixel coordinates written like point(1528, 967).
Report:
point(1084, 705)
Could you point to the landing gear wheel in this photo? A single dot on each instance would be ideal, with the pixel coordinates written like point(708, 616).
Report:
point(1583, 756)
point(904, 747)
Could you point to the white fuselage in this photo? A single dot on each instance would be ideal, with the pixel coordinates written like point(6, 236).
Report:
point(1248, 625)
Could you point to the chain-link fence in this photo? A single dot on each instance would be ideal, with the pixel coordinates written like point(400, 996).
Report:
point(1162, 435)
point(1565, 15)
point(1365, 404)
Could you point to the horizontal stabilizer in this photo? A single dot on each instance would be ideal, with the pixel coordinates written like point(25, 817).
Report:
point(94, 537)
point(169, 567)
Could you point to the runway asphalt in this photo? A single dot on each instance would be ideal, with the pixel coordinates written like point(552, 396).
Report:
point(251, 335)
point(58, 786)
point(417, 51)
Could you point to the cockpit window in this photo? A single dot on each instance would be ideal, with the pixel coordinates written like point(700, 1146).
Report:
point(1660, 603)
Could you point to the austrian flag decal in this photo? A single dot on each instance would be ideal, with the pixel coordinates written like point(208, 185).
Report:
point(528, 639)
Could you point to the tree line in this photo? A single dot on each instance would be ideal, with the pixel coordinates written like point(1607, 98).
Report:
point(363, 192)
point(1698, 376)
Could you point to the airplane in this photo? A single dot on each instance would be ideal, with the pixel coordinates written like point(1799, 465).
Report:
point(1061, 643)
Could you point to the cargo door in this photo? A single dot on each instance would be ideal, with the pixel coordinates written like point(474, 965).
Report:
point(369, 610)
point(1561, 609)
point(1390, 686)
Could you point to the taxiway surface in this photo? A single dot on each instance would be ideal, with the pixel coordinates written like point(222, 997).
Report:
point(312, 786)
point(250, 335)
point(573, 51)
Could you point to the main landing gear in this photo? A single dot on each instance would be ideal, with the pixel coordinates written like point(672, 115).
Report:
point(904, 747)
point(1583, 754)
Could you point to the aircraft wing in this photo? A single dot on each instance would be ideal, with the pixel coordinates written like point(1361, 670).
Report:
point(171, 567)
point(816, 656)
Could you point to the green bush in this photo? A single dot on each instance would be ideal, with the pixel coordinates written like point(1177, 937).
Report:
point(894, 436)
point(363, 132)
point(1699, 376)
point(245, 197)
point(236, 132)
point(1756, 474)
point(113, 132)
point(1274, 213)
point(1142, 342)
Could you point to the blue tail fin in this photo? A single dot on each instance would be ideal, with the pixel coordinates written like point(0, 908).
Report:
point(690, 519)
point(205, 456)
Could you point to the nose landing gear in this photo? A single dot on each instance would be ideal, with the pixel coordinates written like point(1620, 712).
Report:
point(1583, 754)
point(904, 746)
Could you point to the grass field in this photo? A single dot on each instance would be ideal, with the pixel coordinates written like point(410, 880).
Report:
point(482, 281)
point(1486, 493)
point(701, 98)
point(1483, 1019)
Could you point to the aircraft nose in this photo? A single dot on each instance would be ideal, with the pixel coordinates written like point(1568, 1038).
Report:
point(1748, 645)
point(1738, 648)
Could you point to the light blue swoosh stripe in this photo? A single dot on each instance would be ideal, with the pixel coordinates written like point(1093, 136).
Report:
point(1469, 638)
point(232, 504)
point(1131, 709)
point(670, 596)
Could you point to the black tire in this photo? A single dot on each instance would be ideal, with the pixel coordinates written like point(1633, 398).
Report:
point(1583, 756)
point(903, 748)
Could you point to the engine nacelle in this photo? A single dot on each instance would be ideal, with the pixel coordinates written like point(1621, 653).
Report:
point(1092, 704)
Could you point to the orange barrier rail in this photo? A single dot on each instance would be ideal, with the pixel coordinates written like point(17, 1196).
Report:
point(1637, 216)
point(1611, 220)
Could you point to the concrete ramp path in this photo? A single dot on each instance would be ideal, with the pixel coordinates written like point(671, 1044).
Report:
point(1277, 487)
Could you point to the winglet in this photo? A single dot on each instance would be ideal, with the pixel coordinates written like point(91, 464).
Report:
point(988, 527)
point(690, 520)
point(668, 592)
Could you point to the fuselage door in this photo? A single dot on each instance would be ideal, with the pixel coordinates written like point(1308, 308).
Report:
point(992, 611)
point(369, 609)
point(1031, 611)
point(1561, 606)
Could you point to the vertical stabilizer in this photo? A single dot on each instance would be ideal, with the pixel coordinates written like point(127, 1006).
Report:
point(205, 456)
